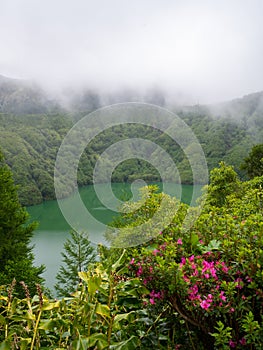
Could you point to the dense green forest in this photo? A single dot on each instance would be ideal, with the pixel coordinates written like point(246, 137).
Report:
point(30, 144)
point(32, 128)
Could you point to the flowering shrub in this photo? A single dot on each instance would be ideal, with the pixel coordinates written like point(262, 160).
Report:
point(200, 288)
point(211, 275)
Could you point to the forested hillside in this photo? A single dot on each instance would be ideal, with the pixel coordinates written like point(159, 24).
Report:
point(23, 97)
point(33, 127)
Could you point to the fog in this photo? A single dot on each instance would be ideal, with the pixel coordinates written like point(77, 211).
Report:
point(201, 51)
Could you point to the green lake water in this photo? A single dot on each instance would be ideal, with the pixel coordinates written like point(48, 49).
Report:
point(53, 229)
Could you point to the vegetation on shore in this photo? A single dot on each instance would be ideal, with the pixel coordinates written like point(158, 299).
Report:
point(188, 287)
point(30, 144)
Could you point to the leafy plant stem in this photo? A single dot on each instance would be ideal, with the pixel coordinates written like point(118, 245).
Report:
point(35, 329)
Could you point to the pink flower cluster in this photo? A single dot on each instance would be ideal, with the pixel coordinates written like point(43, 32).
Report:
point(233, 344)
point(145, 270)
point(206, 303)
point(155, 295)
point(201, 273)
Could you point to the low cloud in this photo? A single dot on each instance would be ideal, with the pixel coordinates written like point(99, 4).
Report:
point(205, 51)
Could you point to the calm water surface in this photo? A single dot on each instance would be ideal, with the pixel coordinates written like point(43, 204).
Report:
point(53, 229)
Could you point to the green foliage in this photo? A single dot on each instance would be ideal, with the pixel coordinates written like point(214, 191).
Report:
point(223, 182)
point(30, 144)
point(211, 274)
point(106, 312)
point(222, 336)
point(16, 258)
point(78, 254)
point(144, 219)
point(186, 288)
point(253, 164)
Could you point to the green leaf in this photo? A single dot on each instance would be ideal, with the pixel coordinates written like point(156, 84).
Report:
point(194, 239)
point(163, 337)
point(118, 262)
point(80, 343)
point(213, 245)
point(29, 316)
point(5, 345)
point(98, 339)
point(129, 316)
point(94, 284)
point(47, 325)
point(103, 310)
point(130, 344)
point(2, 320)
point(51, 306)
point(151, 248)
point(24, 343)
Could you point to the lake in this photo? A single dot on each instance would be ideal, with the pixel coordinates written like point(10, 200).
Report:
point(53, 229)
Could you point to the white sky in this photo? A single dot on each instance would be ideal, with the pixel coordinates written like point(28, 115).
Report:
point(209, 50)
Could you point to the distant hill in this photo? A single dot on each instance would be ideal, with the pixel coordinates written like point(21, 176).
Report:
point(23, 97)
point(33, 125)
point(240, 108)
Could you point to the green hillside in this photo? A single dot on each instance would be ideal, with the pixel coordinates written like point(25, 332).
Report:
point(30, 139)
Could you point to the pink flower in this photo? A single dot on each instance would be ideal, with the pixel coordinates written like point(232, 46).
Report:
point(179, 241)
point(139, 272)
point(132, 261)
point(186, 279)
point(224, 267)
point(183, 261)
point(239, 283)
point(222, 296)
point(206, 275)
point(156, 251)
point(242, 341)
point(163, 246)
point(152, 301)
point(157, 295)
point(201, 241)
point(209, 297)
point(195, 273)
point(232, 343)
point(152, 293)
point(206, 265)
point(205, 304)
point(194, 289)
point(191, 258)
point(213, 272)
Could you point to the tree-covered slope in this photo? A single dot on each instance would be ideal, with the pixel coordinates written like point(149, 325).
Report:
point(24, 97)
point(30, 141)
point(30, 144)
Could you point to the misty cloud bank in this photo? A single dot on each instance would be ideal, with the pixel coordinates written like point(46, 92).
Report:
point(198, 52)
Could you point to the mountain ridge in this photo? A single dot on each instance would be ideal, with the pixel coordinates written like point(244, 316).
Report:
point(31, 137)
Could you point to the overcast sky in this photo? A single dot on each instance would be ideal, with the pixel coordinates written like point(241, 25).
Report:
point(208, 50)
